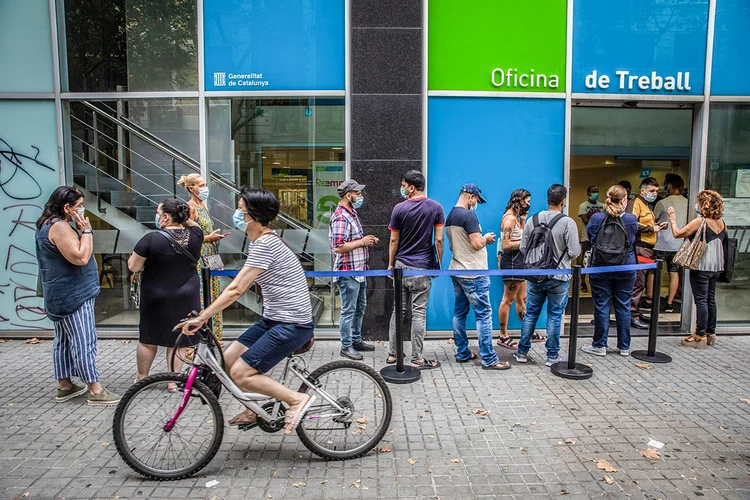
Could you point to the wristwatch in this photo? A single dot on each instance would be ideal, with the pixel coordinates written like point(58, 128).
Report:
point(88, 231)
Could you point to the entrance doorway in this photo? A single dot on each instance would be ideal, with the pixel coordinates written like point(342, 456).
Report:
point(610, 145)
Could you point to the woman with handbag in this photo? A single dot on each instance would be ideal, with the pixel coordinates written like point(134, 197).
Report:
point(703, 254)
point(197, 187)
point(170, 288)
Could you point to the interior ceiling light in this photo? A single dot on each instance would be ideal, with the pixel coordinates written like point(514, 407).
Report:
point(277, 163)
point(337, 148)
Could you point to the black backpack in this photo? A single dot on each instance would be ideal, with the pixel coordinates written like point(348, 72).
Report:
point(540, 250)
point(611, 247)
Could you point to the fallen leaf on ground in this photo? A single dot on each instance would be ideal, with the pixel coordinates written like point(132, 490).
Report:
point(456, 460)
point(411, 461)
point(605, 466)
point(722, 428)
point(32, 341)
point(324, 481)
point(608, 480)
point(357, 484)
point(524, 450)
point(570, 441)
point(385, 449)
point(105, 443)
point(481, 411)
point(644, 366)
point(449, 341)
point(431, 436)
point(297, 485)
point(378, 395)
point(746, 401)
point(564, 492)
point(651, 453)
point(362, 420)
point(25, 494)
point(125, 341)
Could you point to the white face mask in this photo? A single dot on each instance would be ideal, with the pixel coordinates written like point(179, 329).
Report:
point(203, 193)
point(81, 211)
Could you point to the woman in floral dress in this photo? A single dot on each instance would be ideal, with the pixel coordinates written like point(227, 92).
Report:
point(197, 187)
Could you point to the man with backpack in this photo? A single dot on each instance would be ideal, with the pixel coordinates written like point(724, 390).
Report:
point(550, 241)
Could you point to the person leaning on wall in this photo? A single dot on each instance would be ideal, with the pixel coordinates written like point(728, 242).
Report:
point(70, 283)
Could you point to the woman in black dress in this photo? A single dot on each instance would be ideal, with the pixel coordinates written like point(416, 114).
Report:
point(169, 284)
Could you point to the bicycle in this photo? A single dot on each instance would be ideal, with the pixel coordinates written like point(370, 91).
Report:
point(349, 418)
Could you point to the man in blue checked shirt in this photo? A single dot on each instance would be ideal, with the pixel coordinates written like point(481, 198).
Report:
point(350, 253)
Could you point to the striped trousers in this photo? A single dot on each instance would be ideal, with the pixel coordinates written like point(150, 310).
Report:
point(74, 347)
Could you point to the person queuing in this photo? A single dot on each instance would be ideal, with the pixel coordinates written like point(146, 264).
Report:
point(612, 235)
point(549, 233)
point(667, 245)
point(510, 257)
point(70, 284)
point(170, 287)
point(469, 247)
point(709, 206)
point(350, 253)
point(644, 244)
point(197, 188)
point(585, 210)
point(414, 224)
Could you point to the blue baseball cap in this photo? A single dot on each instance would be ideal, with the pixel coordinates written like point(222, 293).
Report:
point(474, 189)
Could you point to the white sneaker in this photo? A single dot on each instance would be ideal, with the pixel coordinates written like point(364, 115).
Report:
point(551, 361)
point(625, 352)
point(596, 351)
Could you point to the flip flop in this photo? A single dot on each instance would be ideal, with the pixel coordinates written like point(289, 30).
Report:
point(508, 343)
point(426, 364)
point(293, 418)
point(500, 365)
point(472, 357)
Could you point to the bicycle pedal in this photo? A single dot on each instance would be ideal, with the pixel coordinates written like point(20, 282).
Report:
point(247, 427)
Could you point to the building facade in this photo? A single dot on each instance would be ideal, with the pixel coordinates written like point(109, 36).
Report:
point(122, 97)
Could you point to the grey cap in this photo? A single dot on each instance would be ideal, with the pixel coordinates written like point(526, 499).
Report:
point(349, 185)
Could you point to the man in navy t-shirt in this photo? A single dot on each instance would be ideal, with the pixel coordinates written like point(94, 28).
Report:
point(413, 224)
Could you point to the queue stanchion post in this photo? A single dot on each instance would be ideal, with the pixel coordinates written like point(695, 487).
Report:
point(399, 373)
point(571, 369)
point(651, 355)
point(206, 282)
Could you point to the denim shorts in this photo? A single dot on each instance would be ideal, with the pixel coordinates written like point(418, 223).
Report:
point(268, 342)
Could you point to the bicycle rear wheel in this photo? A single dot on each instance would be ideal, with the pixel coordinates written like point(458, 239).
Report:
point(139, 428)
point(362, 392)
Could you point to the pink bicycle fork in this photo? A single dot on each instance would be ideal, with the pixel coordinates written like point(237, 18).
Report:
point(185, 399)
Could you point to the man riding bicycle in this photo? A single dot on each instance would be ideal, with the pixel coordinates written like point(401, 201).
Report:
point(286, 323)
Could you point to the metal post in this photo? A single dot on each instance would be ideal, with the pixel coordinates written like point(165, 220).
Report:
point(96, 167)
point(571, 369)
point(651, 355)
point(399, 374)
point(174, 180)
point(206, 282)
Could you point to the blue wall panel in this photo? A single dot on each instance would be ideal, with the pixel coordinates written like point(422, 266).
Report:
point(501, 145)
point(278, 45)
point(731, 62)
point(640, 37)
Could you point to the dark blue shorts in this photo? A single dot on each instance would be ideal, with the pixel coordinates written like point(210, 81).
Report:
point(268, 342)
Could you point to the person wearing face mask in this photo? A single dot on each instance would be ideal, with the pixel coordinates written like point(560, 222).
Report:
point(615, 232)
point(170, 287)
point(510, 257)
point(645, 240)
point(667, 245)
point(585, 210)
point(286, 323)
point(350, 248)
point(197, 188)
point(414, 224)
point(70, 283)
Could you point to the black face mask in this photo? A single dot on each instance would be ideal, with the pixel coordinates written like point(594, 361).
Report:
point(523, 211)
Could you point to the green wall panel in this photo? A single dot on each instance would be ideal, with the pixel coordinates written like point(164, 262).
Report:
point(521, 43)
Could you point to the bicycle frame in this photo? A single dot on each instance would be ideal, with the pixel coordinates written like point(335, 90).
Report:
point(204, 357)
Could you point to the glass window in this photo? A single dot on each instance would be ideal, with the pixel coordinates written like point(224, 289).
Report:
point(135, 45)
point(294, 148)
point(25, 47)
point(728, 172)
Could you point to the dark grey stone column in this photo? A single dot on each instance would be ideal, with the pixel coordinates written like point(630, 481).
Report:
point(386, 125)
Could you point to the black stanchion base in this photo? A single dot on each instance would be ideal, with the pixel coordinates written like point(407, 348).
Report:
point(579, 372)
point(409, 375)
point(658, 357)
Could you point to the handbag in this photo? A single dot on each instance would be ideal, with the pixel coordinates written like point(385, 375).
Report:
point(730, 255)
point(213, 262)
point(135, 289)
point(691, 251)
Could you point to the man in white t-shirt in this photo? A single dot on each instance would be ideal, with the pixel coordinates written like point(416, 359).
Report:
point(667, 245)
point(585, 210)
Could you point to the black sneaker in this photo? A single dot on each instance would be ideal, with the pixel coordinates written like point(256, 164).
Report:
point(645, 305)
point(363, 347)
point(351, 353)
point(669, 308)
point(639, 324)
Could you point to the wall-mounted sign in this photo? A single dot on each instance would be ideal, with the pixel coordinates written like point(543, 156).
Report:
point(513, 79)
point(625, 81)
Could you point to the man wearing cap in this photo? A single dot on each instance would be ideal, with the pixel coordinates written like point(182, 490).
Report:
point(350, 253)
point(469, 249)
point(414, 222)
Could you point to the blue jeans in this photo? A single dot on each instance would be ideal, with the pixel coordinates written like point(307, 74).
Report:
point(475, 293)
point(353, 305)
point(618, 287)
point(555, 293)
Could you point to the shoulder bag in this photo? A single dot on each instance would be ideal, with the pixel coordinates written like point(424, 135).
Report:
point(730, 255)
point(692, 250)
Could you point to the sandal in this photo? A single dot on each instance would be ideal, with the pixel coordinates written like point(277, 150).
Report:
point(711, 339)
point(392, 358)
point(507, 342)
point(535, 337)
point(246, 417)
point(500, 365)
point(695, 341)
point(293, 418)
point(425, 364)
point(172, 387)
point(473, 356)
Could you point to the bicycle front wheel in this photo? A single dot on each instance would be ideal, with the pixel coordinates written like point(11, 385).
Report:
point(144, 443)
point(365, 399)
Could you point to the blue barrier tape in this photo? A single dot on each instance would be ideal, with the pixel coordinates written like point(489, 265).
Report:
point(461, 272)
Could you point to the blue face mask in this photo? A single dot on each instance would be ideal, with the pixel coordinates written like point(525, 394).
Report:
point(473, 208)
point(156, 221)
point(358, 202)
point(203, 193)
point(403, 193)
point(697, 210)
point(239, 220)
point(650, 197)
point(594, 196)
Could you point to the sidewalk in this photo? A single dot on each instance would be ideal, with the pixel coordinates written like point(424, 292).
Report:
point(541, 438)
